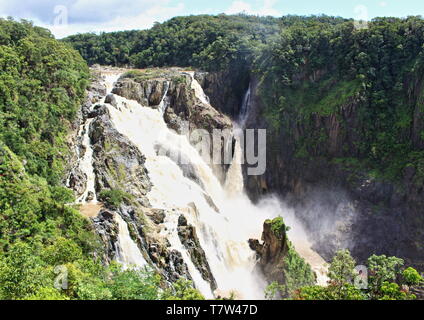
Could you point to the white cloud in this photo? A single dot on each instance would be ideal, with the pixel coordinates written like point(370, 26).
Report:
point(239, 7)
point(93, 15)
point(267, 8)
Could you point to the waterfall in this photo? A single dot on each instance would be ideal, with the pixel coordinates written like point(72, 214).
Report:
point(245, 108)
point(128, 254)
point(165, 101)
point(223, 228)
point(86, 161)
point(297, 234)
point(200, 94)
point(86, 165)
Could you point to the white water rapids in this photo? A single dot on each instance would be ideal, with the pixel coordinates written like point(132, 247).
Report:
point(223, 235)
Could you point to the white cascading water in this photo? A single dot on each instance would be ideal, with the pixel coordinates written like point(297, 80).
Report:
point(245, 108)
point(223, 235)
point(86, 161)
point(128, 254)
point(86, 165)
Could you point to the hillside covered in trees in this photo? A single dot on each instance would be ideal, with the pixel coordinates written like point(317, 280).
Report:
point(42, 87)
point(380, 65)
point(328, 93)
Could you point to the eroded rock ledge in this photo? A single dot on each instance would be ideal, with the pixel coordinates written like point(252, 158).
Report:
point(271, 251)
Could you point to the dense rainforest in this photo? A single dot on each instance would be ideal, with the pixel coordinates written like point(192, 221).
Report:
point(42, 86)
point(306, 69)
point(308, 65)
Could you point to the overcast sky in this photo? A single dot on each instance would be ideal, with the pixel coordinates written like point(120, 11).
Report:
point(65, 17)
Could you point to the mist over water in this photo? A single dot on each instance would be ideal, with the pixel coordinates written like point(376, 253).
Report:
point(223, 226)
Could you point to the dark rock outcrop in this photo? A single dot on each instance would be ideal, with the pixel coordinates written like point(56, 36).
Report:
point(184, 112)
point(271, 252)
point(77, 181)
point(118, 164)
point(110, 98)
point(225, 89)
point(188, 237)
point(107, 228)
point(385, 217)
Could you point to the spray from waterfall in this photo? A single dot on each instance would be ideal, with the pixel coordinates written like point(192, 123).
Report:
point(128, 254)
point(223, 228)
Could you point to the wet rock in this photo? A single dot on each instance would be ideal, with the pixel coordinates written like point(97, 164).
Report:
point(77, 181)
point(271, 251)
point(107, 228)
point(225, 89)
point(111, 99)
point(185, 112)
point(98, 88)
point(118, 163)
point(90, 196)
point(182, 221)
point(146, 92)
point(188, 237)
point(156, 215)
point(210, 202)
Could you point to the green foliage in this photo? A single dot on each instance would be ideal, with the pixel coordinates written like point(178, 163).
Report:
point(278, 227)
point(42, 85)
point(385, 278)
point(332, 292)
point(114, 197)
point(297, 272)
point(391, 291)
point(208, 42)
point(182, 290)
point(134, 284)
point(382, 269)
point(341, 270)
point(366, 83)
point(47, 294)
point(412, 277)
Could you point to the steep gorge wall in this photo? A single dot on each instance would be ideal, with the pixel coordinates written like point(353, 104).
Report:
point(120, 171)
point(386, 216)
point(342, 207)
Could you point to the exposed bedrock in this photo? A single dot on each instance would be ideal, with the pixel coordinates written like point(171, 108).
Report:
point(119, 167)
point(189, 239)
point(340, 207)
point(184, 110)
point(122, 184)
point(271, 252)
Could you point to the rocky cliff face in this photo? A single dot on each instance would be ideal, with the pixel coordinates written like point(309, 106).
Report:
point(76, 179)
point(225, 89)
point(343, 208)
point(119, 167)
point(189, 239)
point(174, 88)
point(184, 112)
